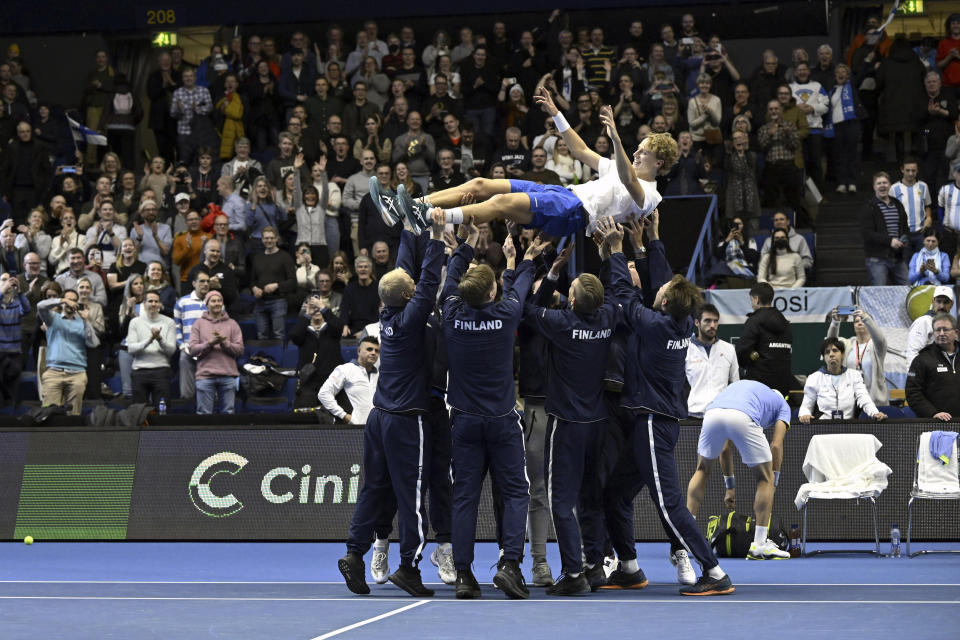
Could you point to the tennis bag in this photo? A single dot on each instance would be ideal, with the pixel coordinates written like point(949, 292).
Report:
point(730, 535)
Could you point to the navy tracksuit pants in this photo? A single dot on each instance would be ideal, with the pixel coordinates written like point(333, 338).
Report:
point(441, 486)
point(480, 444)
point(653, 466)
point(396, 455)
point(574, 489)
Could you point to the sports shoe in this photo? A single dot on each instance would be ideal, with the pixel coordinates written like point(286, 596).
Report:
point(386, 202)
point(841, 188)
point(707, 586)
point(408, 579)
point(567, 586)
point(595, 576)
point(417, 212)
point(380, 565)
point(610, 564)
point(509, 579)
point(685, 572)
point(620, 579)
point(851, 188)
point(767, 551)
point(443, 561)
point(467, 587)
point(542, 576)
point(351, 566)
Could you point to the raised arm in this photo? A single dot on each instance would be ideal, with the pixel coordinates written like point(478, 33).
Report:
point(578, 148)
point(624, 167)
point(460, 259)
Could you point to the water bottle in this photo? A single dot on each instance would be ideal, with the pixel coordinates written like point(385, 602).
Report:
point(794, 537)
point(162, 407)
point(895, 541)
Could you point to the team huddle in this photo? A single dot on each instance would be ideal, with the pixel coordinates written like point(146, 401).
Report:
point(445, 403)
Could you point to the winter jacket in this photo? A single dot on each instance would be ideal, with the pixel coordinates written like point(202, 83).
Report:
point(900, 85)
point(849, 393)
point(932, 383)
point(767, 334)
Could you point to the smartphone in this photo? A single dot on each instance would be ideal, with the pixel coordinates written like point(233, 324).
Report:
point(511, 81)
point(687, 42)
point(846, 310)
point(664, 86)
point(68, 169)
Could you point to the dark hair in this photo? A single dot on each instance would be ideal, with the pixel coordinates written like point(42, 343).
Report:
point(370, 339)
point(772, 263)
point(909, 160)
point(832, 342)
point(708, 308)
point(926, 232)
point(763, 292)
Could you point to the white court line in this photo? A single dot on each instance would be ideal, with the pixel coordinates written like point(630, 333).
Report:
point(619, 601)
point(362, 623)
point(340, 582)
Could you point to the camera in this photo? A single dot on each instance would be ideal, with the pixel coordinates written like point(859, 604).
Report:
point(687, 42)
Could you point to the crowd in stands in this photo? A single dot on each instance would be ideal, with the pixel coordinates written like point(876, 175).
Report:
point(256, 208)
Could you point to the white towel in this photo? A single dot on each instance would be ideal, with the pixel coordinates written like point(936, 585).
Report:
point(933, 477)
point(842, 465)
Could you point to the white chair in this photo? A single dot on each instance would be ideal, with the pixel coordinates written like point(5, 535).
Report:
point(932, 480)
point(842, 466)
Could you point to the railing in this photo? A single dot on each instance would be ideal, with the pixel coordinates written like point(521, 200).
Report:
point(700, 260)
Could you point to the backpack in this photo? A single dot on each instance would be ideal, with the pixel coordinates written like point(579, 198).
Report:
point(730, 535)
point(263, 376)
point(123, 104)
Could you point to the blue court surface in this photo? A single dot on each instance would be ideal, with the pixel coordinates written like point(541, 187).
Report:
point(293, 590)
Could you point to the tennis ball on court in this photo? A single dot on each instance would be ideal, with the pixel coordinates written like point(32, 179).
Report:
point(28, 540)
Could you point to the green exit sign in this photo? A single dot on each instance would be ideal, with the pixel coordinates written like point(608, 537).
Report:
point(164, 39)
point(911, 8)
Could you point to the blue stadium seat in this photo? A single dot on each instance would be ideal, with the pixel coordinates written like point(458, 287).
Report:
point(348, 352)
point(270, 348)
point(291, 354)
point(181, 406)
point(27, 387)
point(274, 404)
point(248, 327)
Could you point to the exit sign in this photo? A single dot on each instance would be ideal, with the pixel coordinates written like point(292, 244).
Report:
point(911, 8)
point(164, 39)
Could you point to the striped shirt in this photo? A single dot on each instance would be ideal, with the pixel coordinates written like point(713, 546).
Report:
point(187, 310)
point(914, 199)
point(10, 315)
point(949, 201)
point(189, 102)
point(593, 61)
point(891, 216)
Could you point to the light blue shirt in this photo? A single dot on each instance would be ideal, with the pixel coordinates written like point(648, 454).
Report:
point(949, 201)
point(764, 405)
point(914, 199)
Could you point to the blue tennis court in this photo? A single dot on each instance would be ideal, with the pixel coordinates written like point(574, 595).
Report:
point(293, 590)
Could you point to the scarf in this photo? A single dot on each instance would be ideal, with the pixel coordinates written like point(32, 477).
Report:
point(736, 261)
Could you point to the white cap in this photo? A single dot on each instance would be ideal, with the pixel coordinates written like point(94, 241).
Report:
point(943, 291)
point(180, 197)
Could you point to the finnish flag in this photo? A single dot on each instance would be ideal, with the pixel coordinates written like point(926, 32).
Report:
point(83, 134)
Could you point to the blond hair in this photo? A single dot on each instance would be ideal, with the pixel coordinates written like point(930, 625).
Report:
point(665, 148)
point(587, 293)
point(393, 285)
point(683, 298)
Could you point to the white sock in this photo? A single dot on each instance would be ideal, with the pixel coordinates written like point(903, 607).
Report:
point(629, 566)
point(716, 573)
point(573, 575)
point(455, 215)
point(381, 544)
point(760, 536)
point(446, 547)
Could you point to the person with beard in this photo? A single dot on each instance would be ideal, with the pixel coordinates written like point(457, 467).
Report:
point(711, 363)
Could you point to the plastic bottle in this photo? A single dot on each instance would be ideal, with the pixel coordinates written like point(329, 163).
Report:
point(162, 407)
point(794, 541)
point(895, 541)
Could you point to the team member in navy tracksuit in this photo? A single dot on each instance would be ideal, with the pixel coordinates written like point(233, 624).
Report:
point(487, 430)
point(579, 340)
point(396, 445)
point(653, 387)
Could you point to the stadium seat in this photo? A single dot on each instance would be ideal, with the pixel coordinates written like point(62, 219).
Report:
point(273, 349)
point(248, 327)
point(348, 352)
point(291, 353)
point(27, 387)
point(273, 404)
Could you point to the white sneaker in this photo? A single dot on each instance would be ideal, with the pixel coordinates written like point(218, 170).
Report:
point(380, 564)
point(767, 551)
point(443, 561)
point(841, 188)
point(851, 188)
point(685, 572)
point(610, 564)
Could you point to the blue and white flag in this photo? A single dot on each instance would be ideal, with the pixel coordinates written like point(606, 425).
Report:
point(83, 134)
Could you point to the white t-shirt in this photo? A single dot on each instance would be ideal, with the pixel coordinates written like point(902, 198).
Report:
point(607, 196)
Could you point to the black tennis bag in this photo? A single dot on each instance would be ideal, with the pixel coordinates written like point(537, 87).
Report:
point(730, 535)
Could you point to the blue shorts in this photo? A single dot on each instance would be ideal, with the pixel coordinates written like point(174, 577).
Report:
point(556, 210)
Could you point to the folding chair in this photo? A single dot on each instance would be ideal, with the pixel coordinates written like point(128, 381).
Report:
point(842, 466)
point(932, 480)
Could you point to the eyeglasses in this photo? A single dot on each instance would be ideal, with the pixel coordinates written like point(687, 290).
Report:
point(943, 329)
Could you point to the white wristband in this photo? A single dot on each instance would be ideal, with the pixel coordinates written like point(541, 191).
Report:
point(561, 122)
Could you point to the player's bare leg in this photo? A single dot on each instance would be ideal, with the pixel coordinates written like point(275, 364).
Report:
point(512, 207)
point(479, 188)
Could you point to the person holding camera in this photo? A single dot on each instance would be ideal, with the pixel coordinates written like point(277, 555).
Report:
point(13, 307)
point(836, 390)
point(317, 334)
point(930, 265)
point(69, 333)
point(865, 351)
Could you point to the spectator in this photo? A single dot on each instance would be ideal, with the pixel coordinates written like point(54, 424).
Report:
point(766, 344)
point(306, 271)
point(480, 84)
point(812, 100)
point(31, 282)
point(781, 267)
point(128, 265)
point(948, 201)
point(488, 250)
point(24, 172)
point(513, 111)
point(77, 269)
point(412, 75)
point(342, 275)
point(107, 234)
point(11, 257)
point(684, 177)
point(151, 342)
point(738, 250)
point(474, 153)
point(122, 112)
point(311, 226)
point(865, 352)
point(512, 155)
point(154, 238)
point(382, 260)
point(282, 164)
point(780, 141)
point(538, 169)
point(846, 113)
point(216, 342)
point(161, 84)
point(704, 112)
point(67, 239)
point(741, 189)
point(157, 279)
point(798, 244)
point(262, 213)
point(932, 381)
point(14, 306)
point(921, 331)
point(222, 277)
point(401, 175)
point(568, 169)
point(242, 169)
point(766, 78)
point(69, 333)
point(711, 363)
point(356, 187)
point(188, 247)
point(355, 114)
point(358, 379)
point(836, 390)
point(317, 334)
point(32, 237)
point(930, 265)
point(372, 140)
point(181, 204)
point(273, 275)
point(188, 102)
point(883, 223)
point(296, 82)
point(361, 302)
point(371, 226)
point(377, 83)
point(914, 195)
point(901, 95)
point(131, 305)
point(936, 125)
point(186, 311)
point(824, 71)
point(948, 52)
point(98, 321)
point(201, 179)
point(416, 149)
point(446, 175)
point(445, 99)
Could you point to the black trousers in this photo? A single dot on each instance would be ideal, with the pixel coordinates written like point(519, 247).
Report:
point(150, 385)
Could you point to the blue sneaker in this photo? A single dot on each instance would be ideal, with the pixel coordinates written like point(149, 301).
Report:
point(417, 212)
point(386, 202)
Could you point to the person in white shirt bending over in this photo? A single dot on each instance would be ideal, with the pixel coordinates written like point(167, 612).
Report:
point(836, 390)
point(711, 362)
point(358, 378)
point(624, 189)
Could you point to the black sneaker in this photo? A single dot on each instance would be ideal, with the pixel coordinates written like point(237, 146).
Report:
point(386, 202)
point(707, 586)
point(352, 568)
point(509, 579)
point(595, 577)
point(408, 579)
point(567, 586)
point(467, 587)
point(417, 212)
point(620, 579)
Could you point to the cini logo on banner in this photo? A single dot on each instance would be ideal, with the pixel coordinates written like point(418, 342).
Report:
point(279, 485)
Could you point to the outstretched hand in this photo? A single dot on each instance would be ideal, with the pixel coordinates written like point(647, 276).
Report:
point(612, 233)
point(439, 220)
point(545, 101)
point(469, 231)
point(535, 249)
point(602, 247)
point(635, 229)
point(509, 250)
point(561, 260)
point(606, 119)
